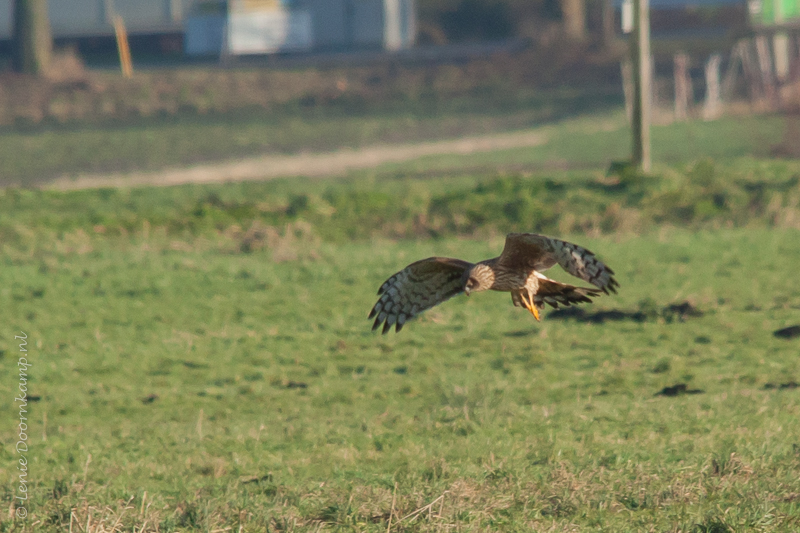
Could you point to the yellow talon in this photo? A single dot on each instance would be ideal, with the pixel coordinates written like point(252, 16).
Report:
point(530, 307)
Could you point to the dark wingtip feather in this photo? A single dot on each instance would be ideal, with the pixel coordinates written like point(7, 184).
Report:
point(383, 287)
point(386, 327)
point(373, 312)
point(376, 324)
point(612, 286)
point(398, 327)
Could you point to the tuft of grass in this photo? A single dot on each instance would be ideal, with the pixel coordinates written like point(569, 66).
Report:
point(291, 217)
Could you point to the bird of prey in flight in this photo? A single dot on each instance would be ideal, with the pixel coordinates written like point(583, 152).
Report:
point(518, 270)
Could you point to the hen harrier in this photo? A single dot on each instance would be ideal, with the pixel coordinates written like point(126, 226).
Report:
point(431, 281)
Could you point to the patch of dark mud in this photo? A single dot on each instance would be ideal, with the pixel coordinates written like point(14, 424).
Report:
point(678, 389)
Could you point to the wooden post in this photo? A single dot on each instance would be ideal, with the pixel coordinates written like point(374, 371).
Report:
point(780, 45)
point(574, 18)
point(654, 101)
point(683, 85)
point(712, 107)
point(32, 41)
point(627, 88)
point(642, 91)
point(729, 80)
point(765, 66)
point(754, 87)
point(607, 16)
point(122, 47)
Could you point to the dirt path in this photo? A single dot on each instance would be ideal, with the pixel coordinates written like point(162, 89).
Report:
point(319, 164)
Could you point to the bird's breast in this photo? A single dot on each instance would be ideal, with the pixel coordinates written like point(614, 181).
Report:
point(509, 280)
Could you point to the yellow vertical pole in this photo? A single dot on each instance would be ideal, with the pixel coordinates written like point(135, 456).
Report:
point(122, 47)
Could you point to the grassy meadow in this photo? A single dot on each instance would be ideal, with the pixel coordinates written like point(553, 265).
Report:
point(36, 153)
point(202, 360)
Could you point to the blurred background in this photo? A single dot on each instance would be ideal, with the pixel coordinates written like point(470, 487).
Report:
point(475, 66)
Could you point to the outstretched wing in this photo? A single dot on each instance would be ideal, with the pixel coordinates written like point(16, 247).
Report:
point(539, 252)
point(417, 287)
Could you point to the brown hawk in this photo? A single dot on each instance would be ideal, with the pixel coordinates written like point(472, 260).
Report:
point(518, 270)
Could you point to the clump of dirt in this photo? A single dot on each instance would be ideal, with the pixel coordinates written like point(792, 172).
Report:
point(294, 241)
point(677, 390)
point(150, 398)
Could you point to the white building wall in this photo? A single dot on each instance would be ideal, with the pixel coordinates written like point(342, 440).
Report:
point(368, 23)
point(81, 16)
point(392, 32)
point(336, 24)
point(329, 20)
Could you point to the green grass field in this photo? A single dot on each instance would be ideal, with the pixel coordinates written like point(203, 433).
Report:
point(202, 360)
point(574, 141)
point(36, 154)
point(191, 388)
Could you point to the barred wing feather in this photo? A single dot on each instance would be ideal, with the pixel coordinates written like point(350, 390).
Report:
point(416, 288)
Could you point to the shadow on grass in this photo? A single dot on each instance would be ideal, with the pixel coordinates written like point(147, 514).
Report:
point(712, 526)
point(647, 311)
point(788, 333)
point(783, 386)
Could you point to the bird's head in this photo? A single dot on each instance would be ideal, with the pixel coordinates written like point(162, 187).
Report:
point(478, 278)
point(470, 285)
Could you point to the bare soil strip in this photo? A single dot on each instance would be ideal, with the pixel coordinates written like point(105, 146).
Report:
point(314, 165)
